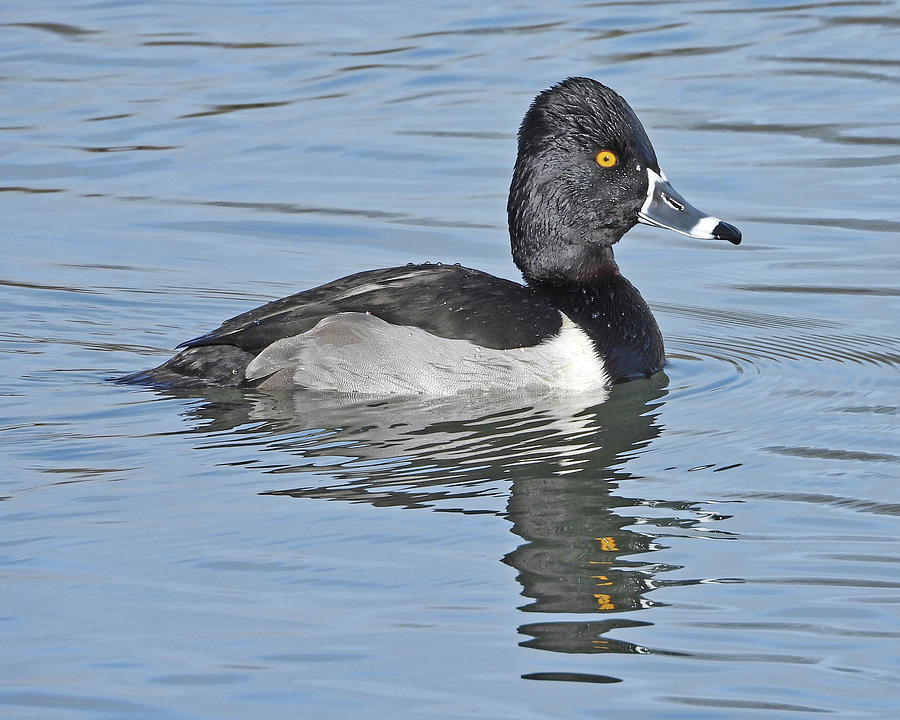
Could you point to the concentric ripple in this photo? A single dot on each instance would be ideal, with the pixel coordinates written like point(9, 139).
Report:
point(712, 359)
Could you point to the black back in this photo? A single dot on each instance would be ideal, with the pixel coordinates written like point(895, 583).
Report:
point(446, 300)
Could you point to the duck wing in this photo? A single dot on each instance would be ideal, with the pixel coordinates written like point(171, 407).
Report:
point(449, 301)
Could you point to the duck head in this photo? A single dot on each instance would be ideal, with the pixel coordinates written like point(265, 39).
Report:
point(585, 174)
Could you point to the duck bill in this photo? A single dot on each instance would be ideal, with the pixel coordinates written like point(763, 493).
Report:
point(665, 208)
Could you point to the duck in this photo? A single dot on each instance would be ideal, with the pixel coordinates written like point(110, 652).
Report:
point(585, 173)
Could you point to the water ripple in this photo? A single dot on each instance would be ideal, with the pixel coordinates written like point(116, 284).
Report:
point(745, 351)
point(833, 454)
point(821, 290)
point(869, 506)
point(747, 704)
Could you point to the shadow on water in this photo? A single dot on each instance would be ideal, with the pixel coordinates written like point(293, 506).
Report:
point(551, 466)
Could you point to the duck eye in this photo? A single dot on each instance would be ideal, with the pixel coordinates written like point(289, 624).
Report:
point(606, 158)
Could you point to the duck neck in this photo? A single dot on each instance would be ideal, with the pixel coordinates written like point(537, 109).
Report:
point(612, 313)
point(568, 265)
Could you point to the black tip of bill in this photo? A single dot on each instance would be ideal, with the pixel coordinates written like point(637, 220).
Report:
point(727, 231)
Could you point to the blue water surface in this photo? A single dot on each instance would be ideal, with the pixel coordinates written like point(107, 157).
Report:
point(719, 541)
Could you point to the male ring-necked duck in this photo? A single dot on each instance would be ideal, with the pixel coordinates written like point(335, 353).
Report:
point(584, 175)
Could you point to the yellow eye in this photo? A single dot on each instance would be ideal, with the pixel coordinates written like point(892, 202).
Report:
point(606, 158)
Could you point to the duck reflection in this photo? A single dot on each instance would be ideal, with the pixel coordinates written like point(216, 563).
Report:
point(575, 560)
point(557, 463)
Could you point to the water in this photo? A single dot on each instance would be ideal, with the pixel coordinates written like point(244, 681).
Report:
point(717, 542)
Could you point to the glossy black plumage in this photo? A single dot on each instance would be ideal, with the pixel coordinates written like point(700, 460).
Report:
point(449, 301)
